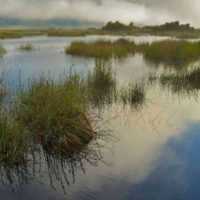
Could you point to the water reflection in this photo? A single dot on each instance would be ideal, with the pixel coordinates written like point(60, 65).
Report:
point(101, 83)
point(58, 172)
point(185, 84)
point(156, 157)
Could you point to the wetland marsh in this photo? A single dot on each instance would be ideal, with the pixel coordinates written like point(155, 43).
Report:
point(76, 126)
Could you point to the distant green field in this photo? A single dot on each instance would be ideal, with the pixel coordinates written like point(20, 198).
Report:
point(19, 33)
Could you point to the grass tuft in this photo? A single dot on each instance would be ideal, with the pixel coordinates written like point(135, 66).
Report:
point(56, 113)
point(13, 142)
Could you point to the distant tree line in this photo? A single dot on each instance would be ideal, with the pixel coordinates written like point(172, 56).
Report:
point(117, 26)
point(172, 26)
point(169, 26)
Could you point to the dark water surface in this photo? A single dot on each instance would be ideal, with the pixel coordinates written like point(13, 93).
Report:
point(151, 153)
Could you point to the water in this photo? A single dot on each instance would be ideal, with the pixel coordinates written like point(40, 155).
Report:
point(50, 57)
point(151, 153)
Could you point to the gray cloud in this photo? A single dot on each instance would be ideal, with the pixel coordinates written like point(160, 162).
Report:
point(139, 11)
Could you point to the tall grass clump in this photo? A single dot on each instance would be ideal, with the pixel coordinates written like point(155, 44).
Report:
point(56, 114)
point(2, 51)
point(101, 84)
point(132, 94)
point(173, 52)
point(13, 142)
point(101, 49)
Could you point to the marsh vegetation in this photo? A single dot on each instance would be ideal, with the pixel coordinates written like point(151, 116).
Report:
point(171, 29)
point(173, 52)
point(58, 115)
point(133, 94)
point(52, 126)
point(2, 51)
point(102, 85)
point(26, 47)
point(186, 82)
point(19, 33)
point(102, 49)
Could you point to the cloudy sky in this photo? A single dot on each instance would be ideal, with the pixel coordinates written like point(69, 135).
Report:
point(100, 11)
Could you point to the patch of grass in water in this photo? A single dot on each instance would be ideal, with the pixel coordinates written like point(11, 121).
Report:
point(133, 94)
point(184, 83)
point(56, 113)
point(27, 47)
point(101, 84)
point(2, 51)
point(13, 142)
point(3, 92)
point(102, 49)
point(176, 53)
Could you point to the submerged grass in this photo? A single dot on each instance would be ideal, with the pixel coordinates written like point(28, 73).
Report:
point(102, 49)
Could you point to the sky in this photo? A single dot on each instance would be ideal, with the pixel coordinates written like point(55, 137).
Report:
point(141, 12)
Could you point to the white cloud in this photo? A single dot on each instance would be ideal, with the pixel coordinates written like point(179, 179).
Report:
point(139, 11)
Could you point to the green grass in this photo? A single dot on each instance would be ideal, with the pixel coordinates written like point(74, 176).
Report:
point(101, 84)
point(26, 47)
point(102, 49)
point(172, 52)
point(185, 82)
point(133, 94)
point(3, 92)
point(13, 142)
point(56, 114)
point(2, 51)
point(16, 33)
point(19, 33)
point(176, 53)
point(74, 32)
point(59, 115)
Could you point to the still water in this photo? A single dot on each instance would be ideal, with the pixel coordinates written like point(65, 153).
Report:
point(151, 153)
